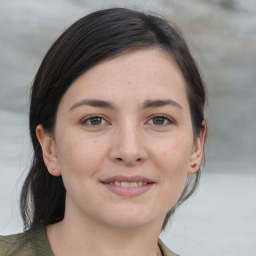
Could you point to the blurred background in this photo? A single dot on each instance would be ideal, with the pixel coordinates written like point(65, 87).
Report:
point(220, 219)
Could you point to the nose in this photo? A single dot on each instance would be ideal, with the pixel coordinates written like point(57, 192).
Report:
point(128, 147)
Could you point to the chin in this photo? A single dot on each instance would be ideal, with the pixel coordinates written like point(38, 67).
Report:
point(134, 219)
point(129, 223)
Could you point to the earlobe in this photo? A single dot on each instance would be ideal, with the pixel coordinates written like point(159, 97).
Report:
point(197, 152)
point(48, 150)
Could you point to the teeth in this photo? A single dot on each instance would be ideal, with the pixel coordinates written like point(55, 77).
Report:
point(133, 184)
point(129, 184)
point(125, 184)
point(117, 183)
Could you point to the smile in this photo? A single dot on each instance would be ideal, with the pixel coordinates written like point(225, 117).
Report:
point(129, 184)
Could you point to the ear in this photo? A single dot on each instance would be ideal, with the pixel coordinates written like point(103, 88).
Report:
point(197, 151)
point(49, 151)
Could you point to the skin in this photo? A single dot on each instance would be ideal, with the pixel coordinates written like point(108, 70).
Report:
point(129, 138)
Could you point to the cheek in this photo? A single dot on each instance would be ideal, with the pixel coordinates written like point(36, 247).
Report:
point(76, 148)
point(79, 160)
point(79, 156)
point(174, 154)
point(173, 162)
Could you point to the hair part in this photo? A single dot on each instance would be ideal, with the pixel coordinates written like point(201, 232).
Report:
point(92, 39)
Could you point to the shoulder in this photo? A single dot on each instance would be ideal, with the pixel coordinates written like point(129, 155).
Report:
point(18, 244)
point(29, 243)
point(165, 250)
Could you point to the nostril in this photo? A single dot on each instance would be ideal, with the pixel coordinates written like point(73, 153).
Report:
point(120, 159)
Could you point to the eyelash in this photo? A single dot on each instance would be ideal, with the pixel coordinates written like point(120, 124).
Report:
point(167, 120)
point(90, 118)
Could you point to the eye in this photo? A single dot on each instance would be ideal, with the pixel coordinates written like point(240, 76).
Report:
point(94, 121)
point(161, 120)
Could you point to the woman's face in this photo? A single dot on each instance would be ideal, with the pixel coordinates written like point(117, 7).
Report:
point(123, 140)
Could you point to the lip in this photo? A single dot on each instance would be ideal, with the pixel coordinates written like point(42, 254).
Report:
point(128, 191)
point(127, 179)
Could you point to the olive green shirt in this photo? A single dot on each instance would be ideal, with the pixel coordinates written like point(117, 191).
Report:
point(34, 242)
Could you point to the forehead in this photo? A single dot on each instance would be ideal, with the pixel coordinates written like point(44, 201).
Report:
point(137, 75)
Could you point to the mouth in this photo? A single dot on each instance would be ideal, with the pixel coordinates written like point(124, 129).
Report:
point(128, 186)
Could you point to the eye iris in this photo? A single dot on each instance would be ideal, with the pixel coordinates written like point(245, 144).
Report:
point(158, 120)
point(95, 120)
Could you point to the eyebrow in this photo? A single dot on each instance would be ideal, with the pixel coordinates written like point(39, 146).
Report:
point(161, 103)
point(93, 103)
point(107, 104)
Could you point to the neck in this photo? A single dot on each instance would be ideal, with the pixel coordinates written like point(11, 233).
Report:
point(70, 237)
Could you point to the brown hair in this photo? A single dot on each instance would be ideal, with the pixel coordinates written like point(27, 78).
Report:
point(92, 39)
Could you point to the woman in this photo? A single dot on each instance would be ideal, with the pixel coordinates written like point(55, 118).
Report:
point(117, 126)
